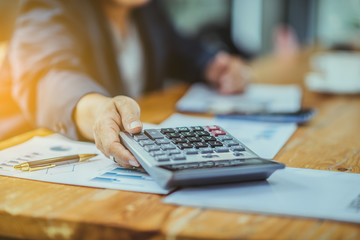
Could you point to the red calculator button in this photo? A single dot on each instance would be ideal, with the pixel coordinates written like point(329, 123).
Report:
point(218, 132)
point(212, 127)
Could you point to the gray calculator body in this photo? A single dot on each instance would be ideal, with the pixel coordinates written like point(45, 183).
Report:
point(196, 155)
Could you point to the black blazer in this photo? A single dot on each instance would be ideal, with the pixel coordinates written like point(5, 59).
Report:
point(62, 50)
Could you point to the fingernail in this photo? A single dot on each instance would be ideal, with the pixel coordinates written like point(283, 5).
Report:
point(135, 124)
point(112, 158)
point(134, 163)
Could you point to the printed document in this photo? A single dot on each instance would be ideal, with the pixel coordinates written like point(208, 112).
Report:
point(258, 98)
point(96, 172)
point(291, 191)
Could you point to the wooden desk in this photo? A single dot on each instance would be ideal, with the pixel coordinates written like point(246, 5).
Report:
point(38, 210)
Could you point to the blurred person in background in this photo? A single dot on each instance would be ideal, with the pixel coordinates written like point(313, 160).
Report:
point(75, 66)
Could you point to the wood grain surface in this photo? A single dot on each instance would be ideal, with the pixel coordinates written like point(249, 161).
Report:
point(331, 141)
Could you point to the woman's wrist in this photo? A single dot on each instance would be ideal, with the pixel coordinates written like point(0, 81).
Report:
point(86, 111)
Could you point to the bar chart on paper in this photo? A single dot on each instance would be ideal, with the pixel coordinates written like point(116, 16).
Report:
point(118, 176)
point(95, 172)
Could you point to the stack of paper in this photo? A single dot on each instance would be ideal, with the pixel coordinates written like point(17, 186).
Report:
point(258, 98)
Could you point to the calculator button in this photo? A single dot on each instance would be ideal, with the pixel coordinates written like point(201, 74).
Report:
point(173, 135)
point(215, 144)
point(206, 150)
point(224, 137)
point(139, 137)
point(179, 140)
point(200, 144)
point(174, 152)
point(162, 159)
point(188, 134)
point(167, 147)
point(237, 162)
point(146, 142)
point(185, 145)
point(194, 139)
point(162, 141)
point(202, 133)
point(190, 151)
point(183, 129)
point(181, 166)
point(191, 165)
point(221, 149)
point(178, 157)
point(197, 128)
point(151, 148)
point(153, 134)
point(174, 167)
point(218, 132)
point(157, 153)
point(167, 130)
point(210, 156)
point(237, 149)
point(212, 127)
point(231, 143)
point(223, 163)
point(238, 154)
point(209, 138)
point(207, 164)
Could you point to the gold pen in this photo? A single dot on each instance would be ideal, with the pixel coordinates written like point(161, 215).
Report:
point(52, 162)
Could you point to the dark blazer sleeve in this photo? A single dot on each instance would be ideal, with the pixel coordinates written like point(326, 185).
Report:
point(47, 59)
point(168, 53)
point(187, 57)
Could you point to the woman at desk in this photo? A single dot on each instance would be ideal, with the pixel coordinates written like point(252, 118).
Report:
point(76, 65)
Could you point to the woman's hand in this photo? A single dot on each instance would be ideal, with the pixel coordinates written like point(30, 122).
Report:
point(101, 119)
point(228, 73)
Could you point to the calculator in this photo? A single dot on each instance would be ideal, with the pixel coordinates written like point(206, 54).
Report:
point(197, 155)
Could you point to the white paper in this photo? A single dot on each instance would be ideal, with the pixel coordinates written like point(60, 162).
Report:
point(265, 139)
point(335, 72)
point(258, 98)
point(292, 191)
point(96, 172)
